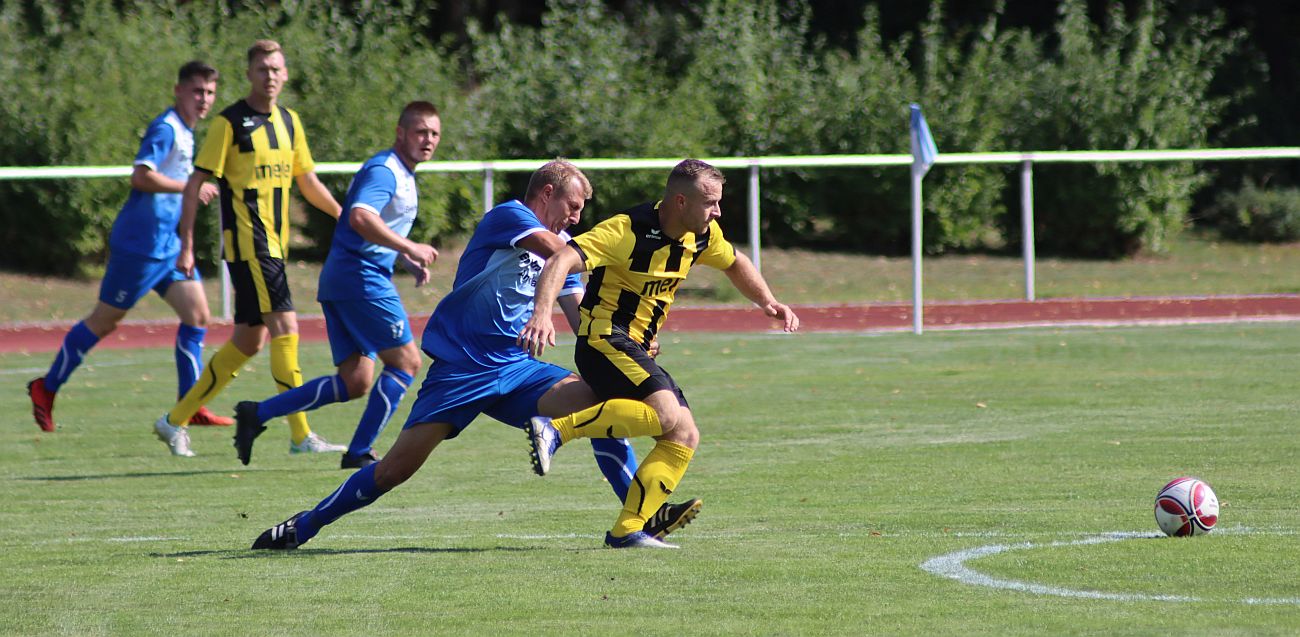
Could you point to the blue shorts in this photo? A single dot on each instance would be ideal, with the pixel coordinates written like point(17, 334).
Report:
point(129, 277)
point(368, 326)
point(509, 394)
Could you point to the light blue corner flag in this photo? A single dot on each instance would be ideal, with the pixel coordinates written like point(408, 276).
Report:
point(923, 149)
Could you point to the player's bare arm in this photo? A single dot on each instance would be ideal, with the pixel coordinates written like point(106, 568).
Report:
point(373, 229)
point(570, 305)
point(414, 257)
point(420, 272)
point(539, 332)
point(191, 197)
point(750, 283)
point(317, 194)
point(542, 244)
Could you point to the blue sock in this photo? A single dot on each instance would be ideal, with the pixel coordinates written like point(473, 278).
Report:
point(384, 397)
point(312, 394)
point(189, 357)
point(75, 345)
point(617, 460)
point(357, 491)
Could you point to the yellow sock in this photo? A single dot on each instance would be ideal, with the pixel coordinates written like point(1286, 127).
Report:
point(615, 418)
point(657, 477)
point(287, 375)
point(221, 369)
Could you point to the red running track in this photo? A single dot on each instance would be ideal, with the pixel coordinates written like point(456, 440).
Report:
point(883, 317)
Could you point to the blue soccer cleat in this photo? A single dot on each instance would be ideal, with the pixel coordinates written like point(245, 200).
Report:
point(543, 440)
point(637, 540)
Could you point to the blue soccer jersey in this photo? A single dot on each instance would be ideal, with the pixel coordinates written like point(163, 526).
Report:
point(146, 225)
point(476, 324)
point(356, 268)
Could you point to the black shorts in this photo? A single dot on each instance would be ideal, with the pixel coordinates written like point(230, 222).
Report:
point(615, 366)
point(260, 287)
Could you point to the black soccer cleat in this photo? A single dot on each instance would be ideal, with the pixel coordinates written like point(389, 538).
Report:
point(359, 461)
point(637, 540)
point(281, 537)
point(671, 517)
point(247, 429)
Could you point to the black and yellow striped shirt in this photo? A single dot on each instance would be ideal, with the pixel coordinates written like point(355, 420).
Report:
point(635, 270)
point(255, 157)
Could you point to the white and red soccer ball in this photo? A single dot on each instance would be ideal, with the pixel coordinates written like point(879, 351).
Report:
point(1187, 506)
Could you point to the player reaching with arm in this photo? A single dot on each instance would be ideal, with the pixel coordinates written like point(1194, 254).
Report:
point(363, 312)
point(478, 368)
point(257, 150)
point(143, 247)
point(636, 261)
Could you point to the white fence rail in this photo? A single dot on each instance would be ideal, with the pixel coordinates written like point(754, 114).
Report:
point(1026, 160)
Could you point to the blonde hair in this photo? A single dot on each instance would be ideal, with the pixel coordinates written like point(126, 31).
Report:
point(262, 47)
point(557, 173)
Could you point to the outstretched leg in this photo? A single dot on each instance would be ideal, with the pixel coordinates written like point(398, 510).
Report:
point(362, 488)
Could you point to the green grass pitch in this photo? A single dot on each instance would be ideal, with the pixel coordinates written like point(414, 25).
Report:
point(831, 466)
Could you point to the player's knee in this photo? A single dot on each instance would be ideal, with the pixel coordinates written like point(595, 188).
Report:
point(198, 319)
point(357, 385)
point(103, 320)
point(101, 326)
point(391, 472)
point(687, 436)
point(410, 363)
point(679, 426)
point(405, 358)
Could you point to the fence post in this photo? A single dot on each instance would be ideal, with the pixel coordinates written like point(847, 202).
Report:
point(1027, 224)
point(753, 216)
point(488, 187)
point(917, 310)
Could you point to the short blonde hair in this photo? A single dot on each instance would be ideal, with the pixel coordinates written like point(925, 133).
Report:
point(262, 47)
point(558, 173)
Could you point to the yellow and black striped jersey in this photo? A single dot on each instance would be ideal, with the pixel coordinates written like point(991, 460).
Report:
point(255, 157)
point(635, 270)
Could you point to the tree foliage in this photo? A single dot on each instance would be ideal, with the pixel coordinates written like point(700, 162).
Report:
point(717, 78)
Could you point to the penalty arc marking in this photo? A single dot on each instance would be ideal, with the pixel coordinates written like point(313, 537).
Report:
point(953, 566)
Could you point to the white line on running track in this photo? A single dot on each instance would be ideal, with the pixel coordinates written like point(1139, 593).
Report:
point(953, 566)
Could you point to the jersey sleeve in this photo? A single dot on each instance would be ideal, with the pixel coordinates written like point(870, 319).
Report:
point(302, 161)
point(212, 155)
point(513, 224)
point(375, 188)
point(602, 244)
point(719, 253)
point(156, 145)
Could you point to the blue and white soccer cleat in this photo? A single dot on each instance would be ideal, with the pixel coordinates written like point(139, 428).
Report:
point(543, 440)
point(637, 540)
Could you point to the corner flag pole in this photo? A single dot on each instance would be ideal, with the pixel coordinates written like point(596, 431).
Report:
point(923, 156)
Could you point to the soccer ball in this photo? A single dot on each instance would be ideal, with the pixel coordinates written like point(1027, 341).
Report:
point(1187, 506)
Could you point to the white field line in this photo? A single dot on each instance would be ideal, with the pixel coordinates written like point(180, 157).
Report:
point(27, 371)
point(953, 566)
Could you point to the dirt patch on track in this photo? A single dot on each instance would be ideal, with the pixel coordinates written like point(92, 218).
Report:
point(881, 317)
